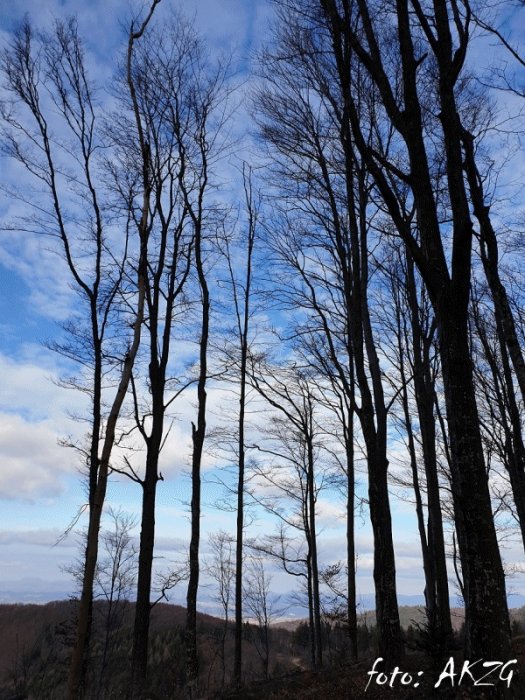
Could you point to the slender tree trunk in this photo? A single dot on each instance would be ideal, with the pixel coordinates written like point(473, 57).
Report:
point(430, 583)
point(350, 530)
point(243, 331)
point(311, 614)
point(97, 407)
point(387, 614)
point(139, 660)
point(373, 416)
point(85, 604)
point(424, 391)
point(157, 385)
point(237, 663)
point(489, 258)
point(374, 426)
point(86, 599)
point(198, 436)
point(313, 555)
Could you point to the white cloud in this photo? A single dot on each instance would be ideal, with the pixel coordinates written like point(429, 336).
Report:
point(33, 463)
point(29, 388)
point(33, 417)
point(40, 538)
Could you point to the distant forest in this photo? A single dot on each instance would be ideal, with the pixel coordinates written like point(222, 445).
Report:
point(36, 642)
point(346, 266)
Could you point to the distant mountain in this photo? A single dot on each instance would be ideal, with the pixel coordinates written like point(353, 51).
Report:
point(33, 590)
point(36, 590)
point(367, 601)
point(366, 604)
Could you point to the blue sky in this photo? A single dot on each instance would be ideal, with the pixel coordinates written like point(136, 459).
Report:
point(40, 486)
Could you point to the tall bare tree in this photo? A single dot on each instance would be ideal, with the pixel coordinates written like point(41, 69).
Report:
point(241, 285)
point(168, 75)
point(296, 434)
point(77, 659)
point(396, 57)
point(323, 242)
point(210, 113)
point(56, 65)
point(413, 334)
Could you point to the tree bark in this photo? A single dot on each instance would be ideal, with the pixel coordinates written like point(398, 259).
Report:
point(488, 631)
point(313, 550)
point(350, 531)
point(424, 391)
point(243, 322)
point(198, 436)
point(139, 659)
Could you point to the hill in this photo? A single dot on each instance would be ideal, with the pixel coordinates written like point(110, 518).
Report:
point(35, 646)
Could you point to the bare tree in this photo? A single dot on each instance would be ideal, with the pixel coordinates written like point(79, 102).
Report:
point(323, 242)
point(413, 349)
point(114, 580)
point(222, 570)
point(210, 114)
point(358, 36)
point(235, 357)
point(296, 437)
point(259, 604)
point(338, 399)
point(56, 65)
point(165, 71)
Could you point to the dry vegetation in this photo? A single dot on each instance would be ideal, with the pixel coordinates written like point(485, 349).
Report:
point(35, 642)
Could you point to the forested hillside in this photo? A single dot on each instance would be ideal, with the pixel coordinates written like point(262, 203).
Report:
point(36, 640)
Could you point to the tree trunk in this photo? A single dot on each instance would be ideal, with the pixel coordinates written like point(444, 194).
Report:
point(198, 436)
point(390, 644)
point(350, 533)
point(139, 661)
point(313, 554)
point(488, 630)
point(374, 426)
point(489, 258)
point(424, 391)
point(243, 333)
point(311, 615)
point(237, 663)
point(86, 599)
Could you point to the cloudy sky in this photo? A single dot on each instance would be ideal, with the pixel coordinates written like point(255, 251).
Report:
point(41, 489)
